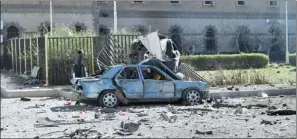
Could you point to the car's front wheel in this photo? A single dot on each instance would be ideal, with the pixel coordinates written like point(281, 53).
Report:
point(192, 96)
point(108, 99)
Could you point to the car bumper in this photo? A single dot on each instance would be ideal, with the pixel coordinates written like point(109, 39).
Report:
point(81, 97)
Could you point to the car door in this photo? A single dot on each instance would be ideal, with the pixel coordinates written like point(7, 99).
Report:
point(129, 81)
point(158, 89)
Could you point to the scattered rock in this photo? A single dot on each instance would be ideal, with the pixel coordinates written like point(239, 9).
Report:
point(230, 88)
point(135, 110)
point(25, 99)
point(278, 72)
point(168, 116)
point(284, 105)
point(172, 109)
point(264, 95)
point(238, 110)
point(36, 106)
point(287, 118)
point(130, 127)
point(123, 133)
point(282, 129)
point(108, 110)
point(271, 108)
point(204, 132)
point(268, 122)
point(272, 85)
point(141, 114)
point(249, 135)
point(139, 134)
point(143, 120)
point(236, 89)
point(282, 112)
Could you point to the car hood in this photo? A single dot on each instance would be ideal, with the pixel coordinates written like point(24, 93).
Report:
point(152, 43)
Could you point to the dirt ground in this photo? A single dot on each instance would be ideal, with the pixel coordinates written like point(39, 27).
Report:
point(18, 119)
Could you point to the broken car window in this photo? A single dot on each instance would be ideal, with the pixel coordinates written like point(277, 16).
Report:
point(152, 74)
point(129, 73)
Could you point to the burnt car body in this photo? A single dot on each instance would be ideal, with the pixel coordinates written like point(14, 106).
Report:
point(131, 83)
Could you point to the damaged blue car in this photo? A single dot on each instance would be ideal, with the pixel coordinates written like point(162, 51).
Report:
point(147, 81)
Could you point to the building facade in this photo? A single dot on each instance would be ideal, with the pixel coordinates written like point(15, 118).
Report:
point(196, 26)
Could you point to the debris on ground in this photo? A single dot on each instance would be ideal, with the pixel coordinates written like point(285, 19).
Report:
point(141, 114)
point(46, 122)
point(36, 106)
point(195, 109)
point(25, 99)
point(268, 122)
point(238, 110)
point(204, 132)
point(264, 95)
point(108, 110)
point(172, 109)
point(135, 110)
point(130, 127)
point(230, 88)
point(68, 101)
point(85, 133)
point(221, 121)
point(281, 112)
point(168, 116)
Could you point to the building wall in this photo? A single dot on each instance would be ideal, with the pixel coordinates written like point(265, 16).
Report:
point(192, 16)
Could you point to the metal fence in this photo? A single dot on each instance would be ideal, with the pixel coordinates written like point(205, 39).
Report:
point(55, 55)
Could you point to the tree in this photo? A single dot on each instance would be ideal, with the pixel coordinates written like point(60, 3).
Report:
point(140, 29)
point(243, 39)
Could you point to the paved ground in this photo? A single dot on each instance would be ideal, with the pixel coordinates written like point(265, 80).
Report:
point(18, 119)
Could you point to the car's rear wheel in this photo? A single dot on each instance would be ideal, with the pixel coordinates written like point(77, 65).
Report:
point(192, 96)
point(108, 99)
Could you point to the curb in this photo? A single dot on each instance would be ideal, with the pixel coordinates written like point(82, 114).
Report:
point(16, 93)
point(270, 92)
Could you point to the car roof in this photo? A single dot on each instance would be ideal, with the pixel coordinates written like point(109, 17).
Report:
point(112, 71)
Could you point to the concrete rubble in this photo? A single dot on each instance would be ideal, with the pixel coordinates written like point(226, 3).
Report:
point(228, 117)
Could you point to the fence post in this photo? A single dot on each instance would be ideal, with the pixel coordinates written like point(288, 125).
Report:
point(37, 47)
point(25, 54)
point(46, 59)
point(12, 54)
point(16, 55)
point(20, 55)
point(31, 54)
point(92, 59)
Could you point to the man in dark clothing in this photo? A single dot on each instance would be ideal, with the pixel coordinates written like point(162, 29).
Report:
point(79, 64)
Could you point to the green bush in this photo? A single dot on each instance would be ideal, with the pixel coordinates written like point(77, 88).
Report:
point(292, 59)
point(226, 61)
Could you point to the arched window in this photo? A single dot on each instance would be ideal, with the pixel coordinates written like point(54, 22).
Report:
point(210, 40)
point(12, 32)
point(45, 30)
